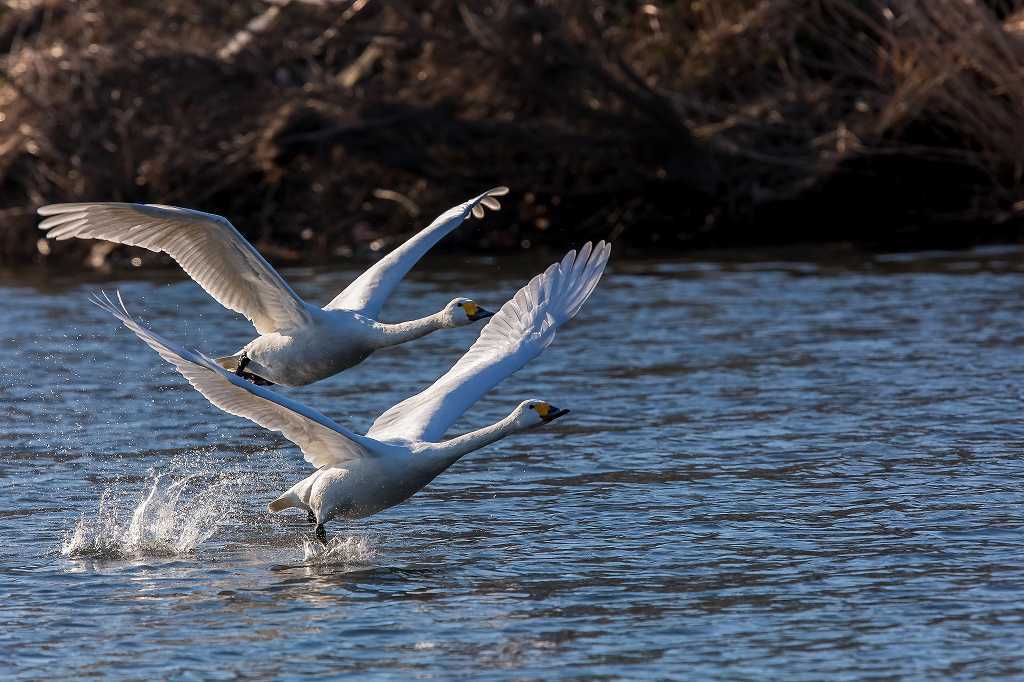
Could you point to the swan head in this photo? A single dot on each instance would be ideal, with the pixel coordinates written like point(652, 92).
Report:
point(531, 413)
point(463, 311)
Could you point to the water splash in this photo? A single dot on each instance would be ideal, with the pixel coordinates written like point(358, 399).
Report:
point(176, 514)
point(354, 549)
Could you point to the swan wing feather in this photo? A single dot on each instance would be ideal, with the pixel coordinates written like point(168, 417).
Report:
point(368, 293)
point(322, 441)
point(519, 332)
point(206, 246)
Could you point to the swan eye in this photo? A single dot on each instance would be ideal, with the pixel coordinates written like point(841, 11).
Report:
point(531, 406)
point(459, 305)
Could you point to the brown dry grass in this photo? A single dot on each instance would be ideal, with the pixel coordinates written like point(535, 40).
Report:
point(319, 127)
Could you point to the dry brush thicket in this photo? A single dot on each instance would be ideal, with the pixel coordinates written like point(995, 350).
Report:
point(320, 127)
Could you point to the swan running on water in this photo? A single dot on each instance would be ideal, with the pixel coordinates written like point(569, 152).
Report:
point(299, 343)
point(402, 452)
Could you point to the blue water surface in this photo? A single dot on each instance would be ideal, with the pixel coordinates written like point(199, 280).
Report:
point(789, 469)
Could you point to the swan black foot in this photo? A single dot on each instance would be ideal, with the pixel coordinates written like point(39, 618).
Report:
point(311, 517)
point(240, 371)
point(321, 534)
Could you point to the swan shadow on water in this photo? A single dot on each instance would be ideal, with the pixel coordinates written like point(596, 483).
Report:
point(323, 578)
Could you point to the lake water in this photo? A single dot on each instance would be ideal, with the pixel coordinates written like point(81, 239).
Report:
point(773, 469)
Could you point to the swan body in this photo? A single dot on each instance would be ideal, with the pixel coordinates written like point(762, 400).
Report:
point(298, 343)
point(358, 475)
point(355, 490)
point(333, 340)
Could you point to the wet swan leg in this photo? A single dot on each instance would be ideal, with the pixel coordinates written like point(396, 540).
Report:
point(242, 362)
point(240, 371)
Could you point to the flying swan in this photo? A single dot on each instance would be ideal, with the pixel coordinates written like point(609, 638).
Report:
point(403, 451)
point(298, 342)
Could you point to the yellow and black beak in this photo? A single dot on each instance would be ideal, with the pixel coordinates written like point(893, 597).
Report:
point(475, 312)
point(549, 413)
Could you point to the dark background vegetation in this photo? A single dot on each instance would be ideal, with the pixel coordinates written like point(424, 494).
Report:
point(321, 127)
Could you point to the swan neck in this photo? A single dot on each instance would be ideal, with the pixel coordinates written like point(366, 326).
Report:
point(451, 451)
point(394, 334)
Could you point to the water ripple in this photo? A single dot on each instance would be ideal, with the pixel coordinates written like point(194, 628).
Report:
point(773, 470)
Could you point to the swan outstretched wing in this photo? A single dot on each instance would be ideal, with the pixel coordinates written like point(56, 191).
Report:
point(321, 440)
point(369, 292)
point(207, 246)
point(523, 328)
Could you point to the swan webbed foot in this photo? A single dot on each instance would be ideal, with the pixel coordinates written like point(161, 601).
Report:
point(311, 517)
point(321, 534)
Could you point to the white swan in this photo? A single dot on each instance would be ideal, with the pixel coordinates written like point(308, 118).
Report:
point(402, 452)
point(298, 343)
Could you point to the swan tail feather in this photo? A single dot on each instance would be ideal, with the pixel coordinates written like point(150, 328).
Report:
point(286, 501)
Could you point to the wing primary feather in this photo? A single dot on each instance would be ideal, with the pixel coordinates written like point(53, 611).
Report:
point(322, 441)
point(207, 247)
point(368, 293)
point(521, 330)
